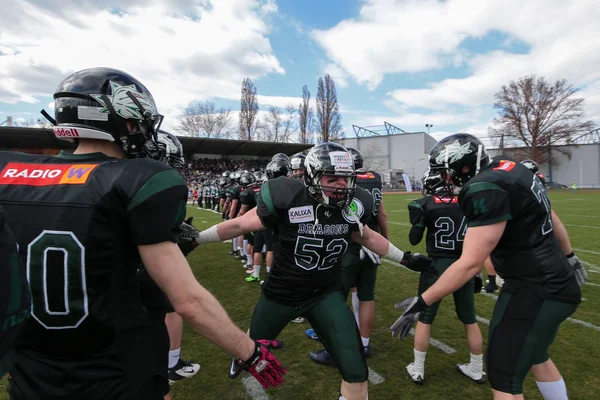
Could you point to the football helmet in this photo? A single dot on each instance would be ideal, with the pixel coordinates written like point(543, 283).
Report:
point(356, 157)
point(297, 164)
point(531, 165)
point(278, 167)
point(105, 104)
point(235, 176)
point(452, 154)
point(166, 149)
point(330, 159)
point(260, 176)
point(281, 156)
point(247, 179)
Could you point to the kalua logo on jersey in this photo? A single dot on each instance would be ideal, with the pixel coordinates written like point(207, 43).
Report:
point(505, 165)
point(45, 174)
point(301, 214)
point(355, 208)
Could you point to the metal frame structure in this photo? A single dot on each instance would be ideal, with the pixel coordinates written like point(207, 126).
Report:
point(377, 130)
point(588, 138)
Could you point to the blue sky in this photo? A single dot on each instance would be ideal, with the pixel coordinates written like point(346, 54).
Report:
point(407, 62)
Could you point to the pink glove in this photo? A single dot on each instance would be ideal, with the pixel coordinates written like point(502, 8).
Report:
point(263, 365)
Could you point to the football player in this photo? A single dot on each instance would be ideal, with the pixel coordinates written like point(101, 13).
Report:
point(438, 212)
point(248, 200)
point(15, 302)
point(509, 217)
point(83, 222)
point(359, 265)
point(297, 164)
point(314, 220)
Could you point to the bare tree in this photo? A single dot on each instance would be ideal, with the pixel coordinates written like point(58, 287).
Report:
point(304, 110)
point(373, 157)
point(273, 126)
point(248, 110)
point(328, 112)
point(539, 116)
point(289, 123)
point(202, 119)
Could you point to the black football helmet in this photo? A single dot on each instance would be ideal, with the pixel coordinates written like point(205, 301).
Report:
point(357, 157)
point(277, 168)
point(531, 165)
point(166, 149)
point(297, 164)
point(99, 103)
point(330, 159)
point(281, 156)
point(260, 176)
point(450, 155)
point(247, 179)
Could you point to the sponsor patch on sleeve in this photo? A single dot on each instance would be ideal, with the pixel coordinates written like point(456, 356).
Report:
point(45, 174)
point(505, 165)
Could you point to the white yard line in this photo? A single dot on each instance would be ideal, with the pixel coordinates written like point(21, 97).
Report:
point(587, 251)
point(592, 284)
point(399, 223)
point(482, 320)
point(375, 378)
point(579, 215)
point(254, 389)
point(437, 344)
point(583, 226)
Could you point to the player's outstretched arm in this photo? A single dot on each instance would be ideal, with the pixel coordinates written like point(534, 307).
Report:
point(478, 245)
point(249, 222)
point(382, 220)
point(376, 243)
point(170, 270)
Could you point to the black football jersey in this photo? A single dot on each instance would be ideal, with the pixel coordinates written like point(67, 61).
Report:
point(528, 252)
point(372, 182)
point(310, 239)
point(248, 197)
point(78, 220)
point(15, 303)
point(445, 223)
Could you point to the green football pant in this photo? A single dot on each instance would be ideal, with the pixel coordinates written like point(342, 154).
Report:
point(332, 321)
point(464, 300)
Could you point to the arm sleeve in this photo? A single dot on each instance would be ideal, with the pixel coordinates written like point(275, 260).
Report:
point(158, 208)
point(415, 213)
point(484, 203)
point(416, 234)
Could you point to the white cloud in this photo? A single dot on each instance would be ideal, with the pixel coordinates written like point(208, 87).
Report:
point(392, 36)
point(184, 51)
point(340, 77)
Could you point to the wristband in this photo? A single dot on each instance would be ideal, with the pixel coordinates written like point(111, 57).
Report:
point(394, 253)
point(209, 235)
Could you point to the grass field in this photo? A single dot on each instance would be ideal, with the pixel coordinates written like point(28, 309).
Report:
point(575, 351)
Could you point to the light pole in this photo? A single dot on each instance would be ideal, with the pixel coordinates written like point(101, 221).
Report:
point(428, 126)
point(413, 168)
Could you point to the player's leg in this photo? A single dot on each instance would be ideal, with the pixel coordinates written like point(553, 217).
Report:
point(254, 267)
point(334, 323)
point(270, 245)
point(546, 374)
point(365, 283)
point(464, 305)
point(178, 368)
point(416, 369)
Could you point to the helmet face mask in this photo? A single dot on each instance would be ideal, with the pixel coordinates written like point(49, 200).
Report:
point(166, 149)
point(106, 104)
point(330, 160)
point(460, 156)
point(297, 165)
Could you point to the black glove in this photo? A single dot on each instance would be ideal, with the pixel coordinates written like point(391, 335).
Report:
point(412, 307)
point(187, 240)
point(477, 283)
point(419, 263)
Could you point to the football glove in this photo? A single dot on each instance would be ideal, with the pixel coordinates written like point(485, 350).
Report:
point(263, 365)
point(477, 283)
point(366, 253)
point(187, 241)
point(419, 263)
point(412, 307)
point(580, 272)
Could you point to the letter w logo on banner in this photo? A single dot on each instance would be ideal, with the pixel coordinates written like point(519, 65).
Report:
point(45, 174)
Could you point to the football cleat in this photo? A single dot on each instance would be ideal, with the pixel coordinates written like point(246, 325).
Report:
point(253, 278)
point(417, 376)
point(490, 288)
point(465, 369)
point(322, 357)
point(183, 369)
point(367, 351)
point(297, 320)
